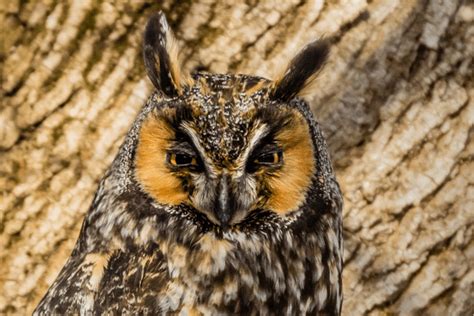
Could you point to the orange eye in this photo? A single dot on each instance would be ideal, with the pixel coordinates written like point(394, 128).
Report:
point(269, 158)
point(181, 160)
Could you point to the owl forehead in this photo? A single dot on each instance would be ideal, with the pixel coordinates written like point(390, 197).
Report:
point(225, 109)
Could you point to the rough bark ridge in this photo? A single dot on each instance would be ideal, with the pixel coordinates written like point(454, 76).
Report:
point(396, 103)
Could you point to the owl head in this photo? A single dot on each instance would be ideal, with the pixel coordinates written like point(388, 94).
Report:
point(229, 147)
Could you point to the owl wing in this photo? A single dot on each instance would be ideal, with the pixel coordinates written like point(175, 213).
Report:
point(100, 277)
point(133, 282)
point(102, 283)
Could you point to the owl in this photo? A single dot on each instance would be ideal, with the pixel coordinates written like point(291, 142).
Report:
point(221, 200)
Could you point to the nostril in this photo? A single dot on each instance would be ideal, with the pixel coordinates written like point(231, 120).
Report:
point(224, 219)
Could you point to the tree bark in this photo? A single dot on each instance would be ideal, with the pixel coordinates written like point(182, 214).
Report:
point(395, 101)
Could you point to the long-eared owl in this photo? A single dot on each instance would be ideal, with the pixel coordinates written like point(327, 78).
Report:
point(221, 200)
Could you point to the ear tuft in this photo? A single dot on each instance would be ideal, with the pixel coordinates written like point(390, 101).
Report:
point(302, 71)
point(160, 53)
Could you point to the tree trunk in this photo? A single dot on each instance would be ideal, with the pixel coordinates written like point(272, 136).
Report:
point(395, 101)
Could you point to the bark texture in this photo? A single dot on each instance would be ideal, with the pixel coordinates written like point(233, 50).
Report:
point(396, 101)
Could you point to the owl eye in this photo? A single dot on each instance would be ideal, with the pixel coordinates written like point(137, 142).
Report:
point(269, 158)
point(272, 158)
point(182, 160)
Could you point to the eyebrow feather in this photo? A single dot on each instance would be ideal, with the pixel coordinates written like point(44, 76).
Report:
point(259, 132)
point(193, 136)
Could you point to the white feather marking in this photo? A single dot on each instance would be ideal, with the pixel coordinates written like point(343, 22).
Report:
point(322, 295)
point(258, 131)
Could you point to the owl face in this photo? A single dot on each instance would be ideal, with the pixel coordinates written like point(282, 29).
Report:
point(227, 146)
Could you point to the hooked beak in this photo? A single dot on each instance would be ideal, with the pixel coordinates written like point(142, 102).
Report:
point(224, 208)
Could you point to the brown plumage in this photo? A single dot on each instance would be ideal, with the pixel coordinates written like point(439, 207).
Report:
point(222, 200)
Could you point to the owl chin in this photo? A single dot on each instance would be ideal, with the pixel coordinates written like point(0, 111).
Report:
point(228, 219)
point(253, 220)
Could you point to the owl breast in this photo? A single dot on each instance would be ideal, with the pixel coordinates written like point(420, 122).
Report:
point(228, 274)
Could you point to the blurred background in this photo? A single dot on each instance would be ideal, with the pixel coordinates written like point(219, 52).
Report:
point(395, 102)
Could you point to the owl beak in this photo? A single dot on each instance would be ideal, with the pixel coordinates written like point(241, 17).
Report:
point(223, 204)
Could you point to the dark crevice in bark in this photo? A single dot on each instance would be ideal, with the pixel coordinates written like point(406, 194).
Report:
point(234, 65)
point(203, 31)
point(87, 24)
point(340, 145)
point(361, 17)
point(278, 39)
point(437, 249)
point(28, 132)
